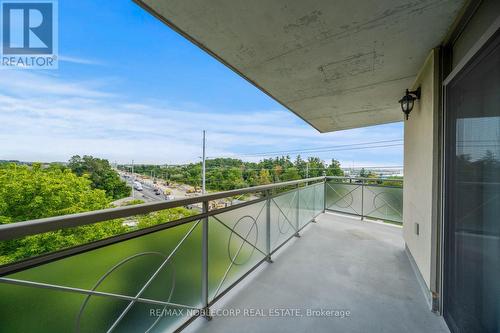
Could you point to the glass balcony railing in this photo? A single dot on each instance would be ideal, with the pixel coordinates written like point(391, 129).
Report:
point(380, 199)
point(157, 277)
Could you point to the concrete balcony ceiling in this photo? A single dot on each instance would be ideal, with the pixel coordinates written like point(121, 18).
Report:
point(336, 64)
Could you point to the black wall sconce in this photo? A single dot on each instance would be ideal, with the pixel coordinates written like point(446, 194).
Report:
point(408, 101)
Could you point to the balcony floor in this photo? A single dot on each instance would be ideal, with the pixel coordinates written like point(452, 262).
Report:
point(338, 263)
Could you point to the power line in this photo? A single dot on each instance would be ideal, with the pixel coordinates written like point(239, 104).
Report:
point(326, 150)
point(353, 146)
point(325, 147)
point(376, 167)
point(243, 167)
point(303, 167)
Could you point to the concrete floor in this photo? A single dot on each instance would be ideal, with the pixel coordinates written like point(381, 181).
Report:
point(339, 263)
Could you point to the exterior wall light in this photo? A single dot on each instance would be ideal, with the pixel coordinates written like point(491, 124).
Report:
point(408, 101)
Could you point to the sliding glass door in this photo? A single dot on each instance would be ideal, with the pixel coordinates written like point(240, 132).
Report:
point(472, 197)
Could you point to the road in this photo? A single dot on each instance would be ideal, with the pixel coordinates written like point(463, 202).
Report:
point(177, 191)
point(147, 194)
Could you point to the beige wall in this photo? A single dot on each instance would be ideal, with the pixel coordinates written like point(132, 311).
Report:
point(420, 157)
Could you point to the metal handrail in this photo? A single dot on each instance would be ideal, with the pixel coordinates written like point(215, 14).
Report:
point(201, 219)
point(362, 182)
point(18, 229)
point(365, 178)
point(33, 227)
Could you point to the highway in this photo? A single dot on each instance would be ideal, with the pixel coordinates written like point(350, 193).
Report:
point(175, 192)
point(147, 194)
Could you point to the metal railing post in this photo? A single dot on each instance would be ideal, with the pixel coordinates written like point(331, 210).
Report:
point(204, 263)
point(314, 203)
point(297, 216)
point(268, 226)
point(362, 199)
point(324, 195)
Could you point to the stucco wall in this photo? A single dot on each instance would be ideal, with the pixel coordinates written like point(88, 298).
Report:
point(420, 135)
point(422, 155)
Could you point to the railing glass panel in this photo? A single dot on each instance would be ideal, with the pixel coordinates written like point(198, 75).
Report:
point(236, 243)
point(307, 197)
point(380, 199)
point(319, 201)
point(383, 202)
point(283, 218)
point(160, 267)
point(146, 271)
point(344, 197)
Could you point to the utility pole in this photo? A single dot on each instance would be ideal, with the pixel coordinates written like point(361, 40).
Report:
point(203, 166)
point(133, 180)
point(307, 170)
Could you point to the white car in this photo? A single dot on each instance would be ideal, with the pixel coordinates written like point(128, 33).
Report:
point(138, 186)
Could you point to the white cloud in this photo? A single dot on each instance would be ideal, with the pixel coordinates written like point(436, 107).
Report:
point(28, 84)
point(46, 118)
point(78, 60)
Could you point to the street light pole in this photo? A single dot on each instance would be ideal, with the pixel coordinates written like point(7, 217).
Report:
point(203, 166)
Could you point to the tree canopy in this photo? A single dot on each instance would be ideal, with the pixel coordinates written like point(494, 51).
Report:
point(34, 192)
point(229, 173)
point(101, 175)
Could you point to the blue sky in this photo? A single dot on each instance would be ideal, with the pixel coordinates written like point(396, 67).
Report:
point(128, 88)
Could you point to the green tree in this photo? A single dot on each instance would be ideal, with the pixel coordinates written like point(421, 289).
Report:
point(251, 177)
point(316, 167)
point(230, 173)
point(33, 192)
point(163, 216)
point(101, 175)
point(264, 177)
point(291, 174)
point(395, 181)
point(334, 169)
point(301, 166)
